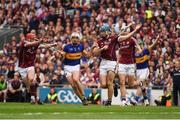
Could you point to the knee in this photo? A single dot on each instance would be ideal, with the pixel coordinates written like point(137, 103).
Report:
point(122, 83)
point(109, 84)
point(103, 85)
point(131, 85)
point(73, 85)
point(75, 80)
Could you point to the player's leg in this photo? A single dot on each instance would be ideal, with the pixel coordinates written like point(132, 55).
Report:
point(69, 75)
point(110, 79)
point(122, 80)
point(103, 81)
point(132, 82)
point(79, 87)
point(30, 74)
point(23, 72)
point(32, 87)
point(142, 75)
point(103, 73)
point(71, 81)
point(77, 84)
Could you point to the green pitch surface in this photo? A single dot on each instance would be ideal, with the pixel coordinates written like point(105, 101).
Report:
point(64, 111)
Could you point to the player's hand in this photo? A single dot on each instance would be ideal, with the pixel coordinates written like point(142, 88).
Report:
point(132, 23)
point(138, 26)
point(41, 40)
point(105, 47)
point(157, 39)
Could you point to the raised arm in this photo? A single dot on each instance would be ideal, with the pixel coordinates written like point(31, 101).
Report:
point(126, 27)
point(47, 45)
point(137, 45)
point(29, 44)
point(154, 44)
point(125, 37)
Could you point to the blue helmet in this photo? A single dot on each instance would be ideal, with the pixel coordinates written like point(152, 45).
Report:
point(105, 28)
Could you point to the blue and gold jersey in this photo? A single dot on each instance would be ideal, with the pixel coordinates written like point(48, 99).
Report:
point(142, 59)
point(73, 54)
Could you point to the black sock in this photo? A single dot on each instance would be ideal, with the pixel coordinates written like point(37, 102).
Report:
point(109, 101)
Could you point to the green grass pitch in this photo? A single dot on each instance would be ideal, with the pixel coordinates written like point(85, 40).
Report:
point(72, 111)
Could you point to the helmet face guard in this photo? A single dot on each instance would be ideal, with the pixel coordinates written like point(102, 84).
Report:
point(75, 37)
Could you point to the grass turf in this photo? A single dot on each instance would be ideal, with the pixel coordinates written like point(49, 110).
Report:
point(72, 111)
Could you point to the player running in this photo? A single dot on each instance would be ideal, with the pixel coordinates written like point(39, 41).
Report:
point(127, 64)
point(72, 55)
point(142, 56)
point(105, 48)
point(26, 58)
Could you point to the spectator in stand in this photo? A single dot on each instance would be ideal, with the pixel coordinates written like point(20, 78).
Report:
point(3, 88)
point(15, 89)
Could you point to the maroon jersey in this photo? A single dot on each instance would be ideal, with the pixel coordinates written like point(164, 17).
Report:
point(127, 52)
point(110, 53)
point(27, 55)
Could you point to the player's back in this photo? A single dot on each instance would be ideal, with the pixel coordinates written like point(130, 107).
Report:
point(127, 51)
point(110, 53)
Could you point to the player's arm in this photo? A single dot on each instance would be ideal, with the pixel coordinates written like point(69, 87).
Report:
point(154, 44)
point(48, 45)
point(96, 50)
point(137, 45)
point(125, 37)
point(87, 53)
point(34, 43)
point(126, 27)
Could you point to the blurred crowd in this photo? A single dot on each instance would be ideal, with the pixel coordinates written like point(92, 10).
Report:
point(55, 20)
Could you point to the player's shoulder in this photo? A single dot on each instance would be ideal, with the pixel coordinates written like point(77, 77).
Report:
point(114, 36)
point(146, 50)
point(67, 45)
point(81, 46)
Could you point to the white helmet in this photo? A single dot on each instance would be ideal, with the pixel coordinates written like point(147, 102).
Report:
point(75, 34)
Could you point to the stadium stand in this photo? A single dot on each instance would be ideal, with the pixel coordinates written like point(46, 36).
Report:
point(55, 20)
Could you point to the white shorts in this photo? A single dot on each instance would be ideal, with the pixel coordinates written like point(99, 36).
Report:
point(127, 69)
point(68, 69)
point(107, 65)
point(142, 74)
point(24, 71)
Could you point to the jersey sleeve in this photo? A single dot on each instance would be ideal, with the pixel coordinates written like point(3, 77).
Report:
point(146, 51)
point(65, 49)
point(82, 47)
point(22, 44)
